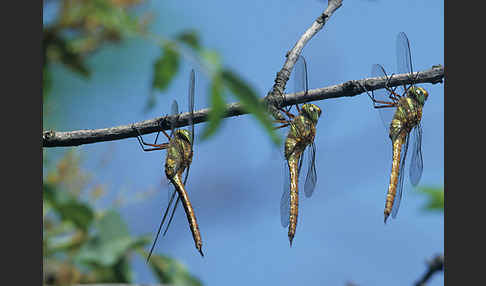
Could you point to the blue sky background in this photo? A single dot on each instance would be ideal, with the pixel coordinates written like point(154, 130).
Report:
point(236, 177)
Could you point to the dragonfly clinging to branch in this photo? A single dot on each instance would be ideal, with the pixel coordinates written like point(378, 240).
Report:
point(300, 138)
point(178, 159)
point(401, 112)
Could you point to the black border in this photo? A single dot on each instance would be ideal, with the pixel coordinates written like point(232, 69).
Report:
point(22, 144)
point(463, 144)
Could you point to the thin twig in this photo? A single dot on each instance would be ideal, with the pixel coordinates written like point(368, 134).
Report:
point(347, 89)
point(434, 265)
point(273, 99)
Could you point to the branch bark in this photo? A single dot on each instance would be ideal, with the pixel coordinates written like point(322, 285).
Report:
point(274, 98)
point(347, 89)
point(434, 265)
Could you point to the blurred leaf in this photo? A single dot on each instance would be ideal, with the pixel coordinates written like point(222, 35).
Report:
point(212, 58)
point(122, 271)
point(435, 198)
point(250, 102)
point(112, 226)
point(190, 38)
point(165, 68)
point(170, 271)
point(111, 242)
point(218, 107)
point(97, 16)
point(68, 207)
point(58, 48)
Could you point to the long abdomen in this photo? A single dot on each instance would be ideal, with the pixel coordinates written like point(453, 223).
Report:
point(392, 188)
point(294, 194)
point(191, 217)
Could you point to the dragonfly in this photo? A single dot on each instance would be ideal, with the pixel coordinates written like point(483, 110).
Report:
point(401, 112)
point(178, 159)
point(299, 139)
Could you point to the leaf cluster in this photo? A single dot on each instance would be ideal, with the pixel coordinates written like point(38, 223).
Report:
point(84, 245)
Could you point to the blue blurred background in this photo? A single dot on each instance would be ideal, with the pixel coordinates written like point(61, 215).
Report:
point(236, 176)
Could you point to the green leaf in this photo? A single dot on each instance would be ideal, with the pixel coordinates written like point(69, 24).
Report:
point(111, 242)
point(122, 271)
point(435, 198)
point(111, 225)
point(67, 207)
point(190, 38)
point(170, 271)
point(165, 68)
point(213, 59)
point(218, 107)
point(250, 102)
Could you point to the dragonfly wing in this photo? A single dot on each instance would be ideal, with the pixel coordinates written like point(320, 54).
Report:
point(191, 115)
point(404, 58)
point(161, 224)
point(174, 110)
point(172, 214)
point(382, 95)
point(301, 82)
point(311, 177)
point(401, 176)
point(299, 75)
point(416, 164)
point(191, 104)
point(285, 200)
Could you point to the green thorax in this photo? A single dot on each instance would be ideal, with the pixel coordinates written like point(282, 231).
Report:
point(408, 113)
point(179, 153)
point(302, 130)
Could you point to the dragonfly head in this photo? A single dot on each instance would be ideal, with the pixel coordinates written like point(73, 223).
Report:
point(312, 111)
point(418, 94)
point(184, 135)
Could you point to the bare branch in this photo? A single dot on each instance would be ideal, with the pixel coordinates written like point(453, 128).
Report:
point(434, 265)
point(273, 99)
point(346, 89)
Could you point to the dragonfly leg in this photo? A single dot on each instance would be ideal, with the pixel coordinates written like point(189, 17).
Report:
point(290, 115)
point(282, 126)
point(393, 95)
point(370, 95)
point(384, 106)
point(383, 102)
point(142, 143)
point(165, 133)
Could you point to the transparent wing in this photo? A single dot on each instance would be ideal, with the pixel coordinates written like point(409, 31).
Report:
point(416, 164)
point(311, 177)
point(404, 58)
point(401, 175)
point(383, 97)
point(285, 200)
point(174, 110)
point(299, 76)
point(301, 82)
point(191, 103)
point(161, 224)
point(172, 213)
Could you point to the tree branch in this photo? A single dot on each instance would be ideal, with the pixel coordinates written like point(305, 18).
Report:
point(273, 99)
point(435, 265)
point(347, 89)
